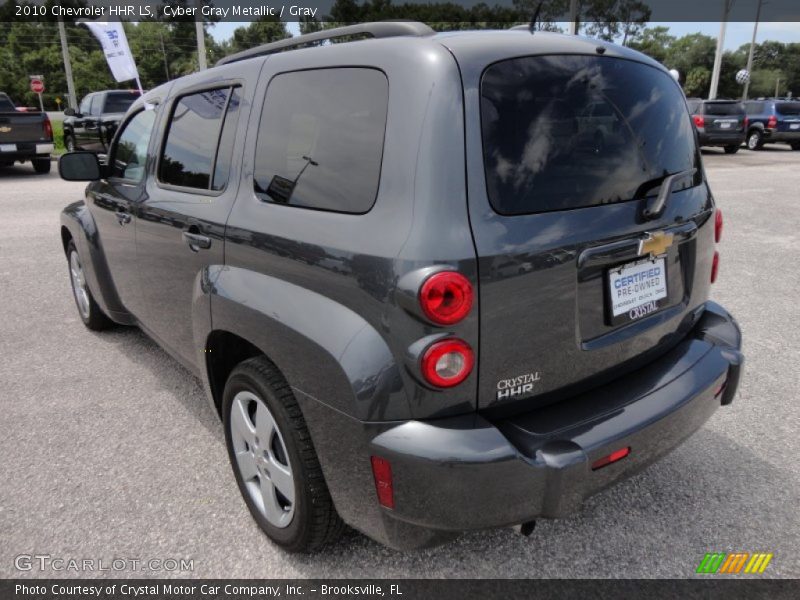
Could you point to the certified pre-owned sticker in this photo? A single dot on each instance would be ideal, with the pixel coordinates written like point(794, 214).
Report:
point(516, 386)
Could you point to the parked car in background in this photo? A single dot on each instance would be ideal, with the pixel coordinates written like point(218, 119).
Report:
point(24, 136)
point(93, 125)
point(719, 123)
point(773, 120)
point(416, 311)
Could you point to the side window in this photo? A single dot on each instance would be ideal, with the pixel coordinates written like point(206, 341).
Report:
point(130, 154)
point(86, 105)
point(227, 140)
point(189, 154)
point(97, 105)
point(320, 140)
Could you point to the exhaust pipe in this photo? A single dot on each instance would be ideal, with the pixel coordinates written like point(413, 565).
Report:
point(526, 528)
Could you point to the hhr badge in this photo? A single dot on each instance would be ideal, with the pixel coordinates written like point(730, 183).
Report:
point(516, 386)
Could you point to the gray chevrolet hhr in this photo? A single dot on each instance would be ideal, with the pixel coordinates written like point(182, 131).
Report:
point(431, 283)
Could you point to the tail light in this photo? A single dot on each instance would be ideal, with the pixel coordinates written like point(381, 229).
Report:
point(446, 297)
point(746, 122)
point(715, 267)
point(447, 363)
point(718, 226)
point(772, 122)
point(47, 128)
point(382, 472)
point(699, 121)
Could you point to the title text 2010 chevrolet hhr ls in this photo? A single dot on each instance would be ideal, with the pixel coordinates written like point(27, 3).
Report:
point(430, 282)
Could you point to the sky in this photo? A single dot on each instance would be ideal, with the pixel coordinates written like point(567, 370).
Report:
point(737, 34)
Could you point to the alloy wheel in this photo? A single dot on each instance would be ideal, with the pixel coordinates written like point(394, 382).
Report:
point(79, 289)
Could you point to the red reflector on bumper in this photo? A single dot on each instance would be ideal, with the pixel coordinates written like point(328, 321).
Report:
point(611, 458)
point(382, 471)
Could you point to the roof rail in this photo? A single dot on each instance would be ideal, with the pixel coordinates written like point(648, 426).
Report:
point(381, 29)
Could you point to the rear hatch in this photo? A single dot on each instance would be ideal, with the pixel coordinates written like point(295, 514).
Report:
point(724, 116)
point(577, 283)
point(788, 114)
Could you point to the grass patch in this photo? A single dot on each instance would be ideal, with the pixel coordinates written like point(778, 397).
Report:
point(58, 137)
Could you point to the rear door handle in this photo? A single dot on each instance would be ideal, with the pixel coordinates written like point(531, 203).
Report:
point(123, 218)
point(196, 241)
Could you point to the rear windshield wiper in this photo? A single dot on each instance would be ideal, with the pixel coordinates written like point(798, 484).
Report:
point(655, 206)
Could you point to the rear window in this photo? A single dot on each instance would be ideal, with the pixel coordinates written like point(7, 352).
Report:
point(6, 105)
point(724, 108)
point(547, 146)
point(119, 103)
point(788, 108)
point(320, 140)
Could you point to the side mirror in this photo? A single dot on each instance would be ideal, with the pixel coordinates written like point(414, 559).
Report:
point(79, 166)
point(69, 112)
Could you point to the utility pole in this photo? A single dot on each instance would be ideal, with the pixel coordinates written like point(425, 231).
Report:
point(164, 54)
point(750, 55)
point(573, 17)
point(726, 9)
point(201, 41)
point(62, 33)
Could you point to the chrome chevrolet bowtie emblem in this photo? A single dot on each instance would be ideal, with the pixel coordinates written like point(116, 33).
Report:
point(656, 243)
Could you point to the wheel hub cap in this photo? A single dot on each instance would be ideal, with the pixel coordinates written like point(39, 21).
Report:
point(262, 459)
point(79, 284)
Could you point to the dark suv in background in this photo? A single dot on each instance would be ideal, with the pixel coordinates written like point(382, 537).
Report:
point(719, 123)
point(773, 120)
point(93, 125)
point(417, 305)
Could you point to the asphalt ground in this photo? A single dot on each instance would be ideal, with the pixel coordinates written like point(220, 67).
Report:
point(109, 450)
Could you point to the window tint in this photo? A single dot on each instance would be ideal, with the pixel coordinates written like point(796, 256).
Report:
point(191, 144)
point(120, 102)
point(540, 155)
point(788, 108)
point(724, 108)
point(320, 140)
point(130, 154)
point(226, 142)
point(5, 104)
point(97, 105)
point(86, 105)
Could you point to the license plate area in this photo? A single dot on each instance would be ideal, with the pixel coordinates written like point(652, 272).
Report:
point(8, 147)
point(636, 289)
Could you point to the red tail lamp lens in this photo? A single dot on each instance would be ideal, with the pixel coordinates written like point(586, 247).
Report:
point(382, 472)
point(772, 122)
point(699, 121)
point(718, 226)
point(447, 363)
point(48, 128)
point(715, 267)
point(611, 458)
point(446, 297)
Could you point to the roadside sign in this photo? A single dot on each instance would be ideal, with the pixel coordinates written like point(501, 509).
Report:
point(37, 86)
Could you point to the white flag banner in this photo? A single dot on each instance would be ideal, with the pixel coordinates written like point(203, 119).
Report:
point(115, 46)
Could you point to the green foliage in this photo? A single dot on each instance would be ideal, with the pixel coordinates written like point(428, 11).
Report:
point(697, 81)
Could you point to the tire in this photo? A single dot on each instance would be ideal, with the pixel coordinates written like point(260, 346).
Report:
point(88, 310)
point(795, 145)
point(755, 141)
point(69, 143)
point(296, 512)
point(41, 165)
point(732, 149)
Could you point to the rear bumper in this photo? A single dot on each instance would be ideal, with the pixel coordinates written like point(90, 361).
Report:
point(27, 151)
point(721, 139)
point(466, 472)
point(771, 135)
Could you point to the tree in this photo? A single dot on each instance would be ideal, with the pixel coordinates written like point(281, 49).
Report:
point(263, 31)
point(610, 20)
point(655, 42)
point(697, 81)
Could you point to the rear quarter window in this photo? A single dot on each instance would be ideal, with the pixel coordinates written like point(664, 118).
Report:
point(544, 151)
point(119, 103)
point(320, 139)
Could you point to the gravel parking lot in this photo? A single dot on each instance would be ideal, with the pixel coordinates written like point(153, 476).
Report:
point(109, 450)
